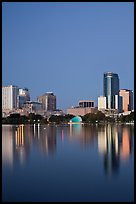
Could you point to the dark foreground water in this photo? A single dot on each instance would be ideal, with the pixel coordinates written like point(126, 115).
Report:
point(68, 163)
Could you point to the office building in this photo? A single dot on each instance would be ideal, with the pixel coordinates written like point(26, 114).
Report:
point(48, 101)
point(101, 103)
point(23, 96)
point(127, 99)
point(9, 98)
point(32, 107)
point(111, 88)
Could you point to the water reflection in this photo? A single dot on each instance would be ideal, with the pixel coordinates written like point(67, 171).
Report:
point(7, 145)
point(115, 144)
point(85, 135)
point(126, 146)
point(83, 158)
point(44, 137)
point(22, 144)
point(47, 139)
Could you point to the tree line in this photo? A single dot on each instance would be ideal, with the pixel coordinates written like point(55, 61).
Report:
point(88, 118)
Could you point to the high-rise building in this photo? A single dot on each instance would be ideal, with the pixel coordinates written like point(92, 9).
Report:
point(48, 101)
point(111, 88)
point(127, 99)
point(9, 98)
point(118, 103)
point(101, 102)
point(23, 96)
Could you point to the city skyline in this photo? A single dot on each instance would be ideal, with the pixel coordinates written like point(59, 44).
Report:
point(110, 86)
point(66, 47)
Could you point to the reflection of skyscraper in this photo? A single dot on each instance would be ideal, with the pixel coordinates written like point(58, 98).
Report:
point(7, 144)
point(22, 144)
point(125, 146)
point(15, 146)
point(108, 146)
point(115, 144)
point(102, 139)
point(111, 88)
point(20, 136)
point(111, 158)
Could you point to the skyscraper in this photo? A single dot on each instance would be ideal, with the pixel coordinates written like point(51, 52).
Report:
point(127, 99)
point(111, 88)
point(48, 101)
point(9, 98)
point(23, 97)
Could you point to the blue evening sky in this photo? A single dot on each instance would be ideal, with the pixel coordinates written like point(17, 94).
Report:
point(66, 47)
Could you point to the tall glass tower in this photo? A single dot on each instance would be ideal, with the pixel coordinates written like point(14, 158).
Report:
point(111, 88)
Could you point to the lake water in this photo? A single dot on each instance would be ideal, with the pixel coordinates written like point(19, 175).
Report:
point(68, 163)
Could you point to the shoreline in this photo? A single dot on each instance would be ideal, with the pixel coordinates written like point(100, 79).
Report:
point(69, 123)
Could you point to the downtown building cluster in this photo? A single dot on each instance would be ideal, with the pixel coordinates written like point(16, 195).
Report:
point(113, 101)
point(17, 100)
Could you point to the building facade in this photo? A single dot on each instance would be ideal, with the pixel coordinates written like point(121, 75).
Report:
point(127, 99)
point(48, 101)
point(9, 98)
point(86, 104)
point(81, 111)
point(111, 88)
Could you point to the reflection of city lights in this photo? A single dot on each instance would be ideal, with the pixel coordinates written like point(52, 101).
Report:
point(16, 137)
point(19, 136)
point(38, 131)
point(125, 147)
point(34, 130)
point(62, 135)
point(70, 131)
point(46, 145)
point(22, 155)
